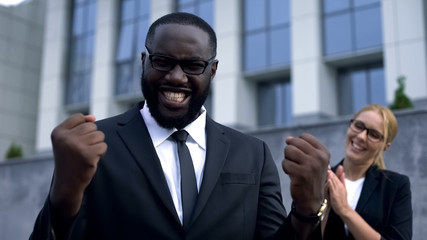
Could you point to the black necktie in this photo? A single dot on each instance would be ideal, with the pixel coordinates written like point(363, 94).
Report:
point(188, 177)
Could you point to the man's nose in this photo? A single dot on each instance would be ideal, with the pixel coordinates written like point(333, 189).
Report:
point(177, 74)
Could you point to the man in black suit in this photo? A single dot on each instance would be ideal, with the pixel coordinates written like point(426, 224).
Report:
point(133, 190)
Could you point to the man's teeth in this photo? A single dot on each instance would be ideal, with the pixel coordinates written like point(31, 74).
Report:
point(174, 96)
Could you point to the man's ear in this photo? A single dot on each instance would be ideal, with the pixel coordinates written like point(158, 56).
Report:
point(143, 57)
point(387, 145)
point(213, 69)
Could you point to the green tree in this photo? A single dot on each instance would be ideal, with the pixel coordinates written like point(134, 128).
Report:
point(401, 101)
point(14, 151)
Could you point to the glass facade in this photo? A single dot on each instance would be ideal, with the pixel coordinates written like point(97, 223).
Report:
point(360, 86)
point(266, 34)
point(134, 22)
point(81, 52)
point(267, 47)
point(351, 25)
point(274, 103)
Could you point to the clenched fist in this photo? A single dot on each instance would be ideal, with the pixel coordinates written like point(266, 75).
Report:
point(77, 147)
point(306, 162)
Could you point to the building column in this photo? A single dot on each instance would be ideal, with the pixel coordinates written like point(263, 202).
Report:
point(53, 72)
point(314, 87)
point(404, 31)
point(233, 99)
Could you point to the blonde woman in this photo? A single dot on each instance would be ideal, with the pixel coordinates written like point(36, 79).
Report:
point(366, 201)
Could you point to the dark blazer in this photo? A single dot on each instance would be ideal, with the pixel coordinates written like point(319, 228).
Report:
point(128, 198)
point(384, 203)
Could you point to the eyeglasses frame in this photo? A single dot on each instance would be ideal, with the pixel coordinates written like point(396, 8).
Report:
point(179, 62)
point(367, 130)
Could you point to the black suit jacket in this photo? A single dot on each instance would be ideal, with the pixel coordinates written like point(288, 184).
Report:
point(384, 203)
point(128, 198)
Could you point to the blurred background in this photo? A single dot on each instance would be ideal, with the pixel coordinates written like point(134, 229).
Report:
point(285, 67)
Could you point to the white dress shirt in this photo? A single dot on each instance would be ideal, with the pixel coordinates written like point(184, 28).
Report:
point(354, 189)
point(167, 151)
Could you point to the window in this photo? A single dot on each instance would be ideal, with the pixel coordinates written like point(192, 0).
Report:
point(81, 52)
point(361, 86)
point(266, 41)
point(134, 23)
point(267, 34)
point(201, 8)
point(274, 103)
point(351, 25)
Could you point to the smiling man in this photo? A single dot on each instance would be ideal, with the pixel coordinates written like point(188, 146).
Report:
point(175, 90)
point(170, 171)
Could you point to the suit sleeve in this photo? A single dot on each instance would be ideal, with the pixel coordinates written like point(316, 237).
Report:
point(43, 226)
point(271, 212)
point(400, 221)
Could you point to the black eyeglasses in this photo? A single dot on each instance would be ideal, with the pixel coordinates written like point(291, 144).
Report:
point(189, 66)
point(359, 126)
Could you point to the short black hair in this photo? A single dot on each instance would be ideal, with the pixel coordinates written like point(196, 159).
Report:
point(183, 19)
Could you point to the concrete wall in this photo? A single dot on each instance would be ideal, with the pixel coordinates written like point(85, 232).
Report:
point(24, 184)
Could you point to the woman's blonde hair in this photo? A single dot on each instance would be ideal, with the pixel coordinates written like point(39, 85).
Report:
point(389, 128)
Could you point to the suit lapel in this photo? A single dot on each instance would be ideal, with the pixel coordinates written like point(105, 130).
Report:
point(369, 185)
point(217, 148)
point(371, 182)
point(134, 133)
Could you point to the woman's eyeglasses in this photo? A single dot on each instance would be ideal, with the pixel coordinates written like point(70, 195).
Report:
point(358, 127)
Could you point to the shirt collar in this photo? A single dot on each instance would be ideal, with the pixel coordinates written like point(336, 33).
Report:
point(195, 129)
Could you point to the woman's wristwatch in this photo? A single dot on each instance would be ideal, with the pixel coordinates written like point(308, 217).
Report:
point(315, 218)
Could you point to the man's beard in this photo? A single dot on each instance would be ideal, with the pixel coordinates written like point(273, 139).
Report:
point(152, 101)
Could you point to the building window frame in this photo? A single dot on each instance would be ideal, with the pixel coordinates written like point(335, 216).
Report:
point(359, 86)
point(133, 24)
point(80, 55)
point(359, 37)
point(260, 52)
point(274, 102)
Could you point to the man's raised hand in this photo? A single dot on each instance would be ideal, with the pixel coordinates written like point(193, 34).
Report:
point(306, 162)
point(77, 147)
